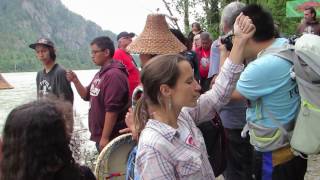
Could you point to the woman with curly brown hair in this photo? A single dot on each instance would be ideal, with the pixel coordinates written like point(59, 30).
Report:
point(36, 143)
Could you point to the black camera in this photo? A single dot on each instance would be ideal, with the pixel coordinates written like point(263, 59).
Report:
point(227, 41)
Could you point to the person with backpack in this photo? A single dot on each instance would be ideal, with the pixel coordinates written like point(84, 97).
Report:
point(273, 102)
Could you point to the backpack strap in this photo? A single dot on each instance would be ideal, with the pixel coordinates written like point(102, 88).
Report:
point(285, 52)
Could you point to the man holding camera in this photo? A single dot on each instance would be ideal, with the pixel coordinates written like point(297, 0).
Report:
point(233, 115)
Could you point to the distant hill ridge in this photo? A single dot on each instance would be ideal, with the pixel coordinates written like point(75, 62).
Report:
point(23, 21)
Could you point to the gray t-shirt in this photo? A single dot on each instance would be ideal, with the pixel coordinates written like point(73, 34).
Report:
point(233, 115)
point(54, 82)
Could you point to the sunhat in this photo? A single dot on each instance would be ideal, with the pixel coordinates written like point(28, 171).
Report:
point(156, 38)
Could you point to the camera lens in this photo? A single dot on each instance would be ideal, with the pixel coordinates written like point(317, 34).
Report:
point(227, 41)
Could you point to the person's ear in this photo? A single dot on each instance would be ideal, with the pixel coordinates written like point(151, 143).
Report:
point(107, 52)
point(165, 90)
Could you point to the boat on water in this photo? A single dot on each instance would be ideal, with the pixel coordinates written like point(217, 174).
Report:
point(4, 84)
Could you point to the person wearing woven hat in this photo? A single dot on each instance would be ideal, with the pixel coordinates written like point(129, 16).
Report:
point(121, 54)
point(162, 154)
point(52, 79)
point(108, 93)
point(156, 39)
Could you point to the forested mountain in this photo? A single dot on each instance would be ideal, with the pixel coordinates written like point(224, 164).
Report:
point(23, 21)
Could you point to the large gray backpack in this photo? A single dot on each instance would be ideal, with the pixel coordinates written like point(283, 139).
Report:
point(305, 57)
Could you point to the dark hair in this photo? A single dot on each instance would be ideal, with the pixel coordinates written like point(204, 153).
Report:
point(312, 11)
point(162, 69)
point(178, 34)
point(262, 20)
point(36, 141)
point(205, 36)
point(197, 25)
point(52, 53)
point(104, 42)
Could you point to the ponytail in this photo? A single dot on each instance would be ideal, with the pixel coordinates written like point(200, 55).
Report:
point(141, 114)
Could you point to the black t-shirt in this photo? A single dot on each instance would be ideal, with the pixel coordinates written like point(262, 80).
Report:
point(54, 82)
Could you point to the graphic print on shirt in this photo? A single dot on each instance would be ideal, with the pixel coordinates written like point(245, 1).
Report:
point(95, 88)
point(309, 30)
point(204, 62)
point(190, 140)
point(185, 135)
point(44, 87)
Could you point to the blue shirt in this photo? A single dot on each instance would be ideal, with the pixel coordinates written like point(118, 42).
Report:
point(266, 82)
point(233, 115)
point(214, 59)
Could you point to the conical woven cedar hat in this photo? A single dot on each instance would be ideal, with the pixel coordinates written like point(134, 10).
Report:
point(156, 38)
point(4, 84)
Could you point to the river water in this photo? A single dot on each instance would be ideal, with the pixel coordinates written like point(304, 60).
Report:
point(25, 91)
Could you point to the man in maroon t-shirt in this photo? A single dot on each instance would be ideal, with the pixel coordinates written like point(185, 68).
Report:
point(108, 93)
point(203, 54)
point(121, 54)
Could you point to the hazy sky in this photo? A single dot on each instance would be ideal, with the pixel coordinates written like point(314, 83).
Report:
point(117, 15)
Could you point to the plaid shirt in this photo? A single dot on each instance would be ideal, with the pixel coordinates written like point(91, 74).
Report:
point(162, 155)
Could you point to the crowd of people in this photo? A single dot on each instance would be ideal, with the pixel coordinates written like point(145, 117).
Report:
point(186, 81)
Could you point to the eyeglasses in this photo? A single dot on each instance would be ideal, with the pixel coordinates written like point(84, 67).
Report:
point(94, 52)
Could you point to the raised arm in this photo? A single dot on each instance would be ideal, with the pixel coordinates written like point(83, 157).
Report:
point(211, 102)
point(72, 77)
